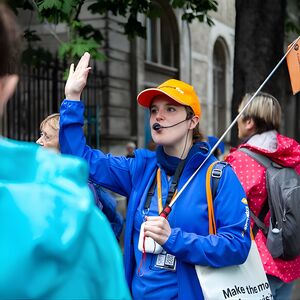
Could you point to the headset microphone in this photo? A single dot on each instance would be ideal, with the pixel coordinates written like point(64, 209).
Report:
point(157, 126)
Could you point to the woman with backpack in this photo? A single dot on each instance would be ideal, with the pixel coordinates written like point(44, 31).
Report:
point(258, 128)
point(161, 249)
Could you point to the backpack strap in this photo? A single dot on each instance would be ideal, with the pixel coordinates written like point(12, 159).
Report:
point(216, 174)
point(261, 159)
point(259, 220)
point(213, 175)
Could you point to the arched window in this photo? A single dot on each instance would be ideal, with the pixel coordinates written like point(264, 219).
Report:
point(162, 49)
point(161, 39)
point(219, 88)
point(162, 44)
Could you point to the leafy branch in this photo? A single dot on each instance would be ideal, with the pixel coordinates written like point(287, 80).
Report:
point(84, 37)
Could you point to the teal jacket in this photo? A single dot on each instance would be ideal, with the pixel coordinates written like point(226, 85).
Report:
point(54, 243)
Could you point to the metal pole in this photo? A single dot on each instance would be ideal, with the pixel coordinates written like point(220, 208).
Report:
point(233, 122)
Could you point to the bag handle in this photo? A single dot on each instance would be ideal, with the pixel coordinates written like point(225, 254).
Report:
point(210, 207)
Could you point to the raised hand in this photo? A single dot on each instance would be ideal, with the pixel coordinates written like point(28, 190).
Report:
point(77, 78)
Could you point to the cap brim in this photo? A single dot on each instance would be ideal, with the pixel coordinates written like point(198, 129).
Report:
point(145, 97)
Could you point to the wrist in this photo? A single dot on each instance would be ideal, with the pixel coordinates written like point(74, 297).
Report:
point(73, 97)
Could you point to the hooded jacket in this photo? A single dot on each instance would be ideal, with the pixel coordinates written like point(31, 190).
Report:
point(286, 152)
point(54, 241)
point(189, 241)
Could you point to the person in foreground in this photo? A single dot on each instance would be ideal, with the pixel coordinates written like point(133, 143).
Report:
point(54, 243)
point(258, 129)
point(49, 128)
point(167, 269)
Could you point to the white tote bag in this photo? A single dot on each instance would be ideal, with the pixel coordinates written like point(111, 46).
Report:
point(245, 281)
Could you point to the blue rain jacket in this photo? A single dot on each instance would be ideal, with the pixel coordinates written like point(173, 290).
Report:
point(189, 240)
point(55, 243)
point(108, 204)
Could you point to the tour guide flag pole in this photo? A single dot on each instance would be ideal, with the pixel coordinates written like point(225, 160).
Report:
point(290, 48)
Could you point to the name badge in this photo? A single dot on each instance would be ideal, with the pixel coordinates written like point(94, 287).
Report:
point(166, 261)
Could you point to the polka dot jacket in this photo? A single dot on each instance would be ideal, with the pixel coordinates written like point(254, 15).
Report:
point(252, 177)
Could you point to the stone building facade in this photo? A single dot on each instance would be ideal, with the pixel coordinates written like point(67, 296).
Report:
point(195, 53)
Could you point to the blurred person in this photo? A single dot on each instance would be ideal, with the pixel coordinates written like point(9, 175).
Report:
point(130, 147)
point(165, 269)
point(49, 129)
point(258, 129)
point(54, 243)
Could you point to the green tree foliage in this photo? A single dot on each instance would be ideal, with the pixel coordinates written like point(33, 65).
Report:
point(84, 37)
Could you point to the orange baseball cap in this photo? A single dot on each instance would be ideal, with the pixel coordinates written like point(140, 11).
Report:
point(179, 91)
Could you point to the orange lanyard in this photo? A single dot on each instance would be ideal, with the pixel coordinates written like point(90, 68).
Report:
point(159, 193)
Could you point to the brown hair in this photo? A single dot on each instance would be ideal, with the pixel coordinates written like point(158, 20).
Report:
point(10, 42)
point(198, 136)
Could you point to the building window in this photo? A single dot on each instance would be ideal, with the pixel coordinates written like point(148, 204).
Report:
point(162, 50)
point(219, 88)
point(162, 39)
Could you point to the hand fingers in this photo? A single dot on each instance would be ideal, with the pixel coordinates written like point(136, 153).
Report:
point(86, 71)
point(159, 231)
point(154, 218)
point(84, 61)
point(71, 71)
point(156, 225)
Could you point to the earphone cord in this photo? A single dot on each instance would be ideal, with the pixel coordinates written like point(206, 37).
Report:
point(185, 144)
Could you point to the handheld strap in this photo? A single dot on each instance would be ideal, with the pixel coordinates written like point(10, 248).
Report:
point(150, 194)
point(172, 188)
point(175, 180)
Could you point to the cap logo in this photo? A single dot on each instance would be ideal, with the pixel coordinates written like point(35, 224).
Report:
point(179, 90)
point(173, 87)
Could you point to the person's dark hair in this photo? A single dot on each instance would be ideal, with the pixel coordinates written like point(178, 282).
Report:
point(198, 136)
point(10, 42)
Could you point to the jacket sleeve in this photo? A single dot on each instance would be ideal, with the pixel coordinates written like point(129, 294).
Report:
point(110, 210)
point(110, 171)
point(231, 244)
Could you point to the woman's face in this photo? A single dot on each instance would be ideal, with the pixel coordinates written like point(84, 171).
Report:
point(49, 137)
point(168, 112)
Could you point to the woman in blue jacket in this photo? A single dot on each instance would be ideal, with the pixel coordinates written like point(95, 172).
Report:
point(161, 264)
